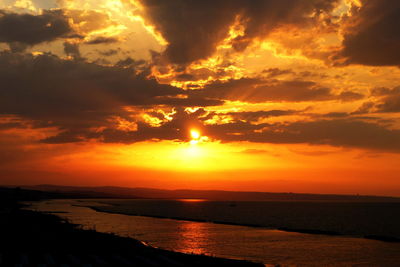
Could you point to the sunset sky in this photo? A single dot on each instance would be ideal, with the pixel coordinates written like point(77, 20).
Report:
point(260, 95)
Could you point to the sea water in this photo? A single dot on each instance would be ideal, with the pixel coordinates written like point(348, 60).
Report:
point(260, 244)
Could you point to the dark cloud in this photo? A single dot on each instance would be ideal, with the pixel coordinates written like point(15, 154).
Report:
point(188, 102)
point(374, 35)
point(389, 101)
point(130, 62)
point(102, 40)
point(350, 96)
point(383, 100)
point(33, 29)
point(335, 132)
point(384, 91)
point(109, 52)
point(250, 116)
point(78, 97)
point(17, 47)
point(308, 74)
point(72, 49)
point(23, 30)
point(338, 131)
point(67, 136)
point(366, 107)
point(275, 72)
point(267, 90)
point(202, 74)
point(194, 28)
point(390, 104)
point(335, 115)
point(175, 129)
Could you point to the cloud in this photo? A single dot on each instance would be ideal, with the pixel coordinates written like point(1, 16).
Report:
point(390, 104)
point(188, 102)
point(174, 129)
point(335, 132)
point(348, 96)
point(193, 29)
point(102, 40)
point(77, 97)
point(33, 29)
point(373, 37)
point(87, 21)
point(335, 115)
point(72, 49)
point(270, 90)
point(389, 101)
point(127, 62)
point(86, 101)
point(275, 72)
point(366, 107)
point(382, 100)
point(23, 30)
point(251, 116)
point(109, 52)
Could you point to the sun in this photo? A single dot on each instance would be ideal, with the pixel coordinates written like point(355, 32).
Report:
point(195, 134)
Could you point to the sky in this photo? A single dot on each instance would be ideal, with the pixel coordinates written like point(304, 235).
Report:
point(261, 95)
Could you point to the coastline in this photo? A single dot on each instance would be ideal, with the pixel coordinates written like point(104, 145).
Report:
point(277, 247)
point(32, 237)
point(389, 239)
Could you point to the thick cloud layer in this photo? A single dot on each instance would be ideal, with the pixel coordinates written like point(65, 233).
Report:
point(33, 29)
point(120, 103)
point(374, 35)
point(389, 99)
point(77, 96)
point(269, 90)
point(341, 132)
point(335, 132)
point(194, 28)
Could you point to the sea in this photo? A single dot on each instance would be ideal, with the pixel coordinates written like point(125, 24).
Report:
point(285, 233)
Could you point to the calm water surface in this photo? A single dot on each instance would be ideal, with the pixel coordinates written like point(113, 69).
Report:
point(240, 242)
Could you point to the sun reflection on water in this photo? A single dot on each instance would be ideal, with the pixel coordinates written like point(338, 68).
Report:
point(193, 238)
point(192, 199)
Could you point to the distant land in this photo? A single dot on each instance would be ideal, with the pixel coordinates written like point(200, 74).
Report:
point(220, 195)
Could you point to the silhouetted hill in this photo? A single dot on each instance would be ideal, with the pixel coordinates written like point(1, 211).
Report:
point(123, 192)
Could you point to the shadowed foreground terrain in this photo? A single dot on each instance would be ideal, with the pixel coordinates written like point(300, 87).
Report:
point(33, 238)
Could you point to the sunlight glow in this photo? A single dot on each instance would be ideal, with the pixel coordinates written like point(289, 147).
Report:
point(195, 134)
point(196, 137)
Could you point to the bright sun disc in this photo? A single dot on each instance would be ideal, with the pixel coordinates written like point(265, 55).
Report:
point(194, 134)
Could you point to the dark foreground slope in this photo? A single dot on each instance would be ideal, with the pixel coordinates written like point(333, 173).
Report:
point(29, 237)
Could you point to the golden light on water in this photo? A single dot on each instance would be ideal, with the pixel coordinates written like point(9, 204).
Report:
point(192, 199)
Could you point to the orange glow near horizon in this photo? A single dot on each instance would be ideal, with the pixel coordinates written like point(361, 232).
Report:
point(208, 164)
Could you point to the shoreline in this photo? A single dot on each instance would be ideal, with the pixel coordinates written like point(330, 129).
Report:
point(388, 239)
point(33, 237)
